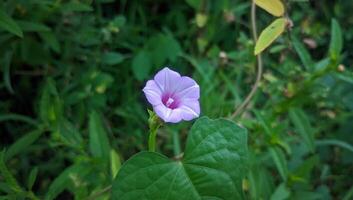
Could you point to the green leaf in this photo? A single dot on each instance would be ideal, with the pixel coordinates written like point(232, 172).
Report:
point(213, 167)
point(22, 144)
point(33, 26)
point(274, 7)
point(333, 142)
point(50, 105)
point(141, 65)
point(65, 179)
point(76, 6)
point(17, 117)
point(50, 39)
point(6, 175)
point(6, 75)
point(115, 163)
point(336, 43)
point(270, 34)
point(32, 178)
point(281, 193)
point(69, 134)
point(302, 125)
point(8, 24)
point(112, 58)
point(305, 169)
point(303, 54)
point(98, 140)
point(171, 47)
point(280, 161)
point(196, 4)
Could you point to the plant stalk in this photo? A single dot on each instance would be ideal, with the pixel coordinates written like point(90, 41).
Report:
point(245, 103)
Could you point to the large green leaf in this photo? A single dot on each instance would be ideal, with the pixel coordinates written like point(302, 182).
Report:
point(270, 34)
point(7, 23)
point(213, 167)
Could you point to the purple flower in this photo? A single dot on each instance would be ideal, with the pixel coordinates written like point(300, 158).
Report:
point(173, 97)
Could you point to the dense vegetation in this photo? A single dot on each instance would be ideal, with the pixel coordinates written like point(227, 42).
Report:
point(72, 107)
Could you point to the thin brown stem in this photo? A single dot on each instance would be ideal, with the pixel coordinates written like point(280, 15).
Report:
point(245, 103)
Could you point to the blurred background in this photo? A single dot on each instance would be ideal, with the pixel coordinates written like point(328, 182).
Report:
point(72, 110)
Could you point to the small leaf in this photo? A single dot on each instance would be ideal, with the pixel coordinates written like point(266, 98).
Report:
point(64, 180)
point(69, 134)
point(141, 65)
point(281, 193)
point(98, 140)
point(270, 34)
point(305, 170)
point(32, 178)
point(17, 117)
point(50, 39)
point(274, 7)
point(33, 26)
point(112, 58)
point(336, 43)
point(115, 163)
point(6, 175)
point(22, 144)
point(76, 6)
point(280, 161)
point(196, 4)
point(302, 125)
point(9, 24)
point(7, 75)
point(303, 54)
point(213, 167)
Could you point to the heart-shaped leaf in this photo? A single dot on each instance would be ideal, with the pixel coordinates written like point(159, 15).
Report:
point(213, 167)
point(274, 7)
point(270, 34)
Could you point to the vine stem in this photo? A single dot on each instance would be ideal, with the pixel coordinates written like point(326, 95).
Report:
point(245, 103)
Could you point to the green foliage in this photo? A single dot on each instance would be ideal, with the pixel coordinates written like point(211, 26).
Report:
point(213, 166)
point(98, 141)
point(72, 110)
point(8, 24)
point(275, 7)
point(270, 34)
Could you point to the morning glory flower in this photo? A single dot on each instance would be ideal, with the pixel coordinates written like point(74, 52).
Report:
point(173, 97)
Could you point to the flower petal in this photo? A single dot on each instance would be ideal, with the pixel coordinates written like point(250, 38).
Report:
point(167, 114)
point(153, 93)
point(187, 88)
point(167, 79)
point(190, 109)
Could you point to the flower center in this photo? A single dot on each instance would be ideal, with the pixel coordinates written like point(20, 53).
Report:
point(170, 102)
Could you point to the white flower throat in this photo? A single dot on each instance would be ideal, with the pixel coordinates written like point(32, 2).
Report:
point(169, 101)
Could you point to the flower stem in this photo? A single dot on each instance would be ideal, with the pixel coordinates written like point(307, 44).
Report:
point(152, 140)
point(154, 123)
point(245, 103)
